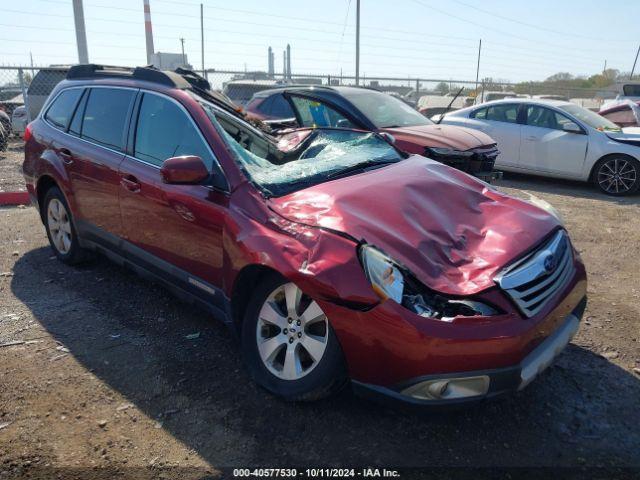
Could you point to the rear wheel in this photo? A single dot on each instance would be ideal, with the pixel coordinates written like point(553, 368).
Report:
point(617, 175)
point(288, 344)
point(60, 229)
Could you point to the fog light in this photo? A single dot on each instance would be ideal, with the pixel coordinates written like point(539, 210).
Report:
point(449, 388)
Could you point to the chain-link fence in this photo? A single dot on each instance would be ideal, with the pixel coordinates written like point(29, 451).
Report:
point(24, 89)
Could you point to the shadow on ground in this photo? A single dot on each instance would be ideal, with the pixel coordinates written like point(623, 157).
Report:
point(131, 335)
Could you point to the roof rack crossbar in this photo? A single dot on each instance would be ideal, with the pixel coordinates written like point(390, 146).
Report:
point(149, 74)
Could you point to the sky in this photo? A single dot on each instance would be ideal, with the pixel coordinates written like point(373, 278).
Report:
point(436, 39)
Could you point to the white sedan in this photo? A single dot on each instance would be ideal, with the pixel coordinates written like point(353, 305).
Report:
point(558, 139)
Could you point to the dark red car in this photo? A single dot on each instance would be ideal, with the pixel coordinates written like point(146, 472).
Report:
point(624, 114)
point(337, 258)
point(468, 150)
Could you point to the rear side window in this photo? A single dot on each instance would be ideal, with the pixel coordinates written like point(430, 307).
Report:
point(507, 113)
point(61, 110)
point(105, 116)
point(164, 130)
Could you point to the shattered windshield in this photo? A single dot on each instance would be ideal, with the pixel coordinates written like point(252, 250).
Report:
point(319, 156)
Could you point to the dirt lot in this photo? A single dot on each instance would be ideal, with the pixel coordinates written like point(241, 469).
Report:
point(103, 374)
point(11, 166)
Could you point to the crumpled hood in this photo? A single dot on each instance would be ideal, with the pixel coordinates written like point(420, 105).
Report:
point(451, 230)
point(458, 138)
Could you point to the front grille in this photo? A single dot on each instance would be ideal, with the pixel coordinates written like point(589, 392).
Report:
point(481, 160)
point(532, 280)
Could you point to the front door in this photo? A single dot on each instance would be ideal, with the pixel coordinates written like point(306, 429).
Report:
point(546, 148)
point(171, 229)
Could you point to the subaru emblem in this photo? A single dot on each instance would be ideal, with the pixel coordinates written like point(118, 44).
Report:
point(550, 263)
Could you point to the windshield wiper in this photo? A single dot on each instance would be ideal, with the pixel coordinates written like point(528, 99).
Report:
point(360, 166)
point(449, 106)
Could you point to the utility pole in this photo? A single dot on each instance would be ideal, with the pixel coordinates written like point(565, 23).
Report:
point(81, 33)
point(633, 69)
point(202, 37)
point(148, 32)
point(478, 70)
point(32, 72)
point(184, 61)
point(357, 42)
point(288, 61)
point(605, 67)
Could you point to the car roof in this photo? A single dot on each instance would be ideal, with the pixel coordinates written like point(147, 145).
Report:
point(536, 101)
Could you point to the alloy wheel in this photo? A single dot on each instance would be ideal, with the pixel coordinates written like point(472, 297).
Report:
point(59, 225)
point(617, 175)
point(292, 333)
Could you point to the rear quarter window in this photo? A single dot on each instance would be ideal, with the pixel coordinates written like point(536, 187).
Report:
point(61, 110)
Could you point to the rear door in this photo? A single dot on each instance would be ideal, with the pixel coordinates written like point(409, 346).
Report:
point(546, 148)
point(500, 122)
point(173, 230)
point(93, 151)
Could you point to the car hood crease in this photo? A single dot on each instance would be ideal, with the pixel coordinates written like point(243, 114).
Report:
point(452, 231)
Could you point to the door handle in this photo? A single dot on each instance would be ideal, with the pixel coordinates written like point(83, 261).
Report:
point(67, 156)
point(130, 183)
point(532, 139)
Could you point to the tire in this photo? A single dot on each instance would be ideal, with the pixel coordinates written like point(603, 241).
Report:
point(282, 364)
point(60, 228)
point(617, 175)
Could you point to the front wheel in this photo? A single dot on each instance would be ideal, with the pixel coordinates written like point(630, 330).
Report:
point(617, 175)
point(288, 343)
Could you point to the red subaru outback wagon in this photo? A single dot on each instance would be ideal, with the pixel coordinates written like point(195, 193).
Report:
point(339, 258)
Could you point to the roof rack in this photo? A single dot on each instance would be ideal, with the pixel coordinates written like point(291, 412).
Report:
point(181, 78)
point(149, 74)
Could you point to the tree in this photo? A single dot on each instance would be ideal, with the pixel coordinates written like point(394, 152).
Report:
point(442, 88)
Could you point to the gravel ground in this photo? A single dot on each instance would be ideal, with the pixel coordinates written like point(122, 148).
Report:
point(11, 179)
point(105, 374)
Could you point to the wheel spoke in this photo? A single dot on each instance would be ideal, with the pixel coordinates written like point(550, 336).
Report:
point(291, 368)
point(312, 314)
point(270, 347)
point(314, 345)
point(66, 242)
point(292, 297)
point(270, 314)
point(66, 227)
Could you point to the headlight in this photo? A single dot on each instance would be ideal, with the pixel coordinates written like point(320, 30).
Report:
point(389, 281)
point(449, 152)
point(544, 205)
point(385, 277)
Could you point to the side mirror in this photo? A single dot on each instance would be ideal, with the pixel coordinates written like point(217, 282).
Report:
point(187, 170)
point(571, 127)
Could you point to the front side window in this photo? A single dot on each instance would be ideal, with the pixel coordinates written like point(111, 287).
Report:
point(281, 108)
point(317, 114)
point(164, 130)
point(480, 114)
point(61, 110)
point(105, 116)
point(507, 113)
point(538, 116)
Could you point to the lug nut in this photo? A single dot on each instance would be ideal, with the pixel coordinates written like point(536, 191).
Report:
point(289, 320)
point(291, 340)
point(298, 323)
point(299, 334)
point(284, 331)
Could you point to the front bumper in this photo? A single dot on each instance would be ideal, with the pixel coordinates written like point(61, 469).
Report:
point(498, 381)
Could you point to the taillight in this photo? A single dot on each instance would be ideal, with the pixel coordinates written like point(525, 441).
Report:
point(27, 133)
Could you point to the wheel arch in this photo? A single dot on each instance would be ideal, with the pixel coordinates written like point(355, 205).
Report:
point(44, 184)
point(247, 279)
